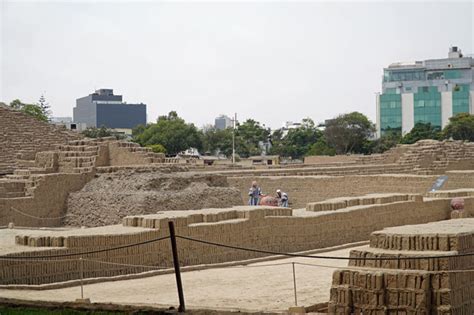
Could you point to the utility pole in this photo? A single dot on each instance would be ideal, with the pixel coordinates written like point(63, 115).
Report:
point(233, 139)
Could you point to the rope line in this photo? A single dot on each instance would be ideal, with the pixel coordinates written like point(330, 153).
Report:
point(126, 265)
point(40, 218)
point(88, 252)
point(256, 266)
point(316, 256)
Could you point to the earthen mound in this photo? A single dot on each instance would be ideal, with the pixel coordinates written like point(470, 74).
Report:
point(110, 197)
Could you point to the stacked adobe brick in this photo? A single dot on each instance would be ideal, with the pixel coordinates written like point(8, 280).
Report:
point(22, 136)
point(393, 284)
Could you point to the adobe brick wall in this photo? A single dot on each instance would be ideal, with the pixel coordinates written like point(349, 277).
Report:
point(22, 136)
point(305, 189)
point(443, 285)
point(258, 227)
point(323, 159)
point(48, 200)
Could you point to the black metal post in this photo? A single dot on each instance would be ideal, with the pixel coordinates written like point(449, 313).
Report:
point(177, 271)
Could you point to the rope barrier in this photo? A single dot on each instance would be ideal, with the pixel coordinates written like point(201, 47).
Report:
point(88, 252)
point(126, 265)
point(40, 218)
point(256, 266)
point(319, 257)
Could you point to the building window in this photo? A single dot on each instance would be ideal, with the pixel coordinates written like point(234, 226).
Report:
point(461, 99)
point(390, 113)
point(427, 106)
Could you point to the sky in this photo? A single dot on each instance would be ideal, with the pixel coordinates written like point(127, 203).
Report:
point(269, 61)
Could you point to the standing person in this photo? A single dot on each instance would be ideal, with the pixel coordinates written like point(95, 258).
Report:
point(283, 197)
point(254, 194)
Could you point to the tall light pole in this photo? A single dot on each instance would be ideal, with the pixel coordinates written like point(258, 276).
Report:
point(233, 139)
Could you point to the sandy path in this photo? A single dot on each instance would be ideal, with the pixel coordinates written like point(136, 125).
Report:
point(268, 287)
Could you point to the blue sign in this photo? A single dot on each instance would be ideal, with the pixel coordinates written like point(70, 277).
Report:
point(439, 183)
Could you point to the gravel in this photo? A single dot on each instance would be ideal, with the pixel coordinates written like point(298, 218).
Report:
point(109, 197)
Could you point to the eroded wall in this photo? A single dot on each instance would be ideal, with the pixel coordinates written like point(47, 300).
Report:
point(47, 201)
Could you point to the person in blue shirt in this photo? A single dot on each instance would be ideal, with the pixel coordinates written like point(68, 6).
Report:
point(254, 194)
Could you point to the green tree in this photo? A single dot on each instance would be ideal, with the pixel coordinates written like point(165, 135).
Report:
point(384, 143)
point(348, 133)
point(101, 132)
point(170, 131)
point(29, 109)
point(138, 130)
point(460, 127)
point(217, 141)
point(16, 104)
point(34, 111)
point(297, 142)
point(421, 131)
point(157, 148)
point(321, 148)
point(247, 137)
point(44, 106)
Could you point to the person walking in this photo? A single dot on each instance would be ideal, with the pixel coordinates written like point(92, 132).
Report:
point(254, 194)
point(283, 198)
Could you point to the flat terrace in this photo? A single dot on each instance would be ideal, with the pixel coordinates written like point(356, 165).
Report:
point(263, 286)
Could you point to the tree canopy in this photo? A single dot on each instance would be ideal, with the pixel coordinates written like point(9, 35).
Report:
point(460, 127)
point(348, 133)
point(101, 132)
point(421, 131)
point(29, 109)
point(171, 131)
point(217, 141)
point(297, 142)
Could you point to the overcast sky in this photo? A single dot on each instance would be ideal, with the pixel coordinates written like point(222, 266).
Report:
point(271, 61)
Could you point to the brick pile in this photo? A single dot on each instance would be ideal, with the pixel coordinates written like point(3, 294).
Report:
point(442, 285)
point(370, 199)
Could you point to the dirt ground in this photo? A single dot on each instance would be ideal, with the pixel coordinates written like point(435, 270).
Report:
point(108, 198)
point(265, 286)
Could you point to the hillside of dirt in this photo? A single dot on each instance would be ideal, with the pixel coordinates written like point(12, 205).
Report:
point(110, 197)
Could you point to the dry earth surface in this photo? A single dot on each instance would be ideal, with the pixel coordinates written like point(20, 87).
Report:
point(265, 286)
point(110, 197)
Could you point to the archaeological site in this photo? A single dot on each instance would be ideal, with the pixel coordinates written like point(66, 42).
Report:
point(86, 223)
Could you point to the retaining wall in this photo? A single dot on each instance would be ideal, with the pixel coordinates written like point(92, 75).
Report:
point(267, 228)
point(47, 201)
point(305, 189)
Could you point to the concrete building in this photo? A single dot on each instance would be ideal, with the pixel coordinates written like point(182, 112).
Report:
point(103, 108)
point(222, 122)
point(429, 91)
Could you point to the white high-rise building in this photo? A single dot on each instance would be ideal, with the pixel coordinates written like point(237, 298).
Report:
point(429, 91)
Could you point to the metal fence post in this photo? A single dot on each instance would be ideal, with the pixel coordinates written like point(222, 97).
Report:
point(81, 267)
point(177, 271)
point(294, 284)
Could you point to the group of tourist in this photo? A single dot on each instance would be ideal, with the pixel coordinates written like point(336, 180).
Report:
point(256, 196)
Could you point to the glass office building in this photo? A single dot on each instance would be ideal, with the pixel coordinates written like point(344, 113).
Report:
point(429, 91)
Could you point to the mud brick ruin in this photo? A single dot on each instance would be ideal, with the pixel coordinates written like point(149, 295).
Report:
point(61, 193)
point(441, 285)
